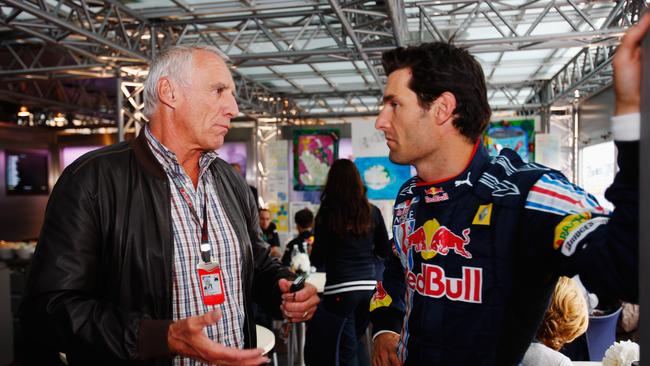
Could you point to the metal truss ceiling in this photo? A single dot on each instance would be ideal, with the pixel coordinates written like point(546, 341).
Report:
point(310, 58)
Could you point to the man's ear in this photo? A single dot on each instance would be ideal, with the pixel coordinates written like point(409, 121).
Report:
point(165, 91)
point(444, 107)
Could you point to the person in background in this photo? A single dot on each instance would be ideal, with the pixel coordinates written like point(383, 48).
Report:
point(237, 168)
point(269, 232)
point(349, 233)
point(479, 241)
point(115, 278)
point(302, 243)
point(565, 319)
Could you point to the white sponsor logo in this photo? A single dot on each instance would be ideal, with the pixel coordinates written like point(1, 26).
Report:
point(464, 181)
point(499, 188)
point(432, 282)
point(408, 189)
point(576, 236)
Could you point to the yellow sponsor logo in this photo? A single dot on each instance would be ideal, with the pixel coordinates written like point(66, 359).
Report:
point(430, 227)
point(483, 215)
point(567, 225)
point(381, 298)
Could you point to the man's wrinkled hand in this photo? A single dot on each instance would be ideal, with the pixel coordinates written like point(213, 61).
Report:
point(384, 350)
point(627, 68)
point(275, 252)
point(186, 337)
point(298, 306)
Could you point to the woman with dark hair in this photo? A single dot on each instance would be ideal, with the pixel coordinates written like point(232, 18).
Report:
point(348, 235)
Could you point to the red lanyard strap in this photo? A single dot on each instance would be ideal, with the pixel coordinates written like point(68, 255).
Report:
point(205, 254)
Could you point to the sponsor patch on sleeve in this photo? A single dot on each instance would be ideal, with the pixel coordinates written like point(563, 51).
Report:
point(381, 298)
point(576, 236)
point(567, 226)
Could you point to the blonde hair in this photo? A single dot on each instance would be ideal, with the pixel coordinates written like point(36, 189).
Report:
point(566, 317)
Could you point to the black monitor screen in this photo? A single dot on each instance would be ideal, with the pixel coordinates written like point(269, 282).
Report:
point(27, 172)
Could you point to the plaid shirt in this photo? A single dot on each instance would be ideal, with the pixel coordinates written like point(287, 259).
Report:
point(186, 296)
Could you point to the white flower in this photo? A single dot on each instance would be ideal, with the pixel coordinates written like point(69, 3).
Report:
point(621, 354)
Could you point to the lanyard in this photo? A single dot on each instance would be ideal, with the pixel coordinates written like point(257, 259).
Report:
point(205, 244)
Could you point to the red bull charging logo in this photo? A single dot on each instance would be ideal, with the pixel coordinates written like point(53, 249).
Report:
point(432, 282)
point(433, 237)
point(434, 194)
point(381, 298)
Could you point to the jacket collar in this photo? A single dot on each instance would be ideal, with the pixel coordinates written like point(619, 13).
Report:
point(443, 190)
point(145, 157)
point(148, 160)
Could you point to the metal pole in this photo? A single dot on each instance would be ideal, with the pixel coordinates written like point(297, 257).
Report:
point(644, 214)
point(118, 107)
point(575, 162)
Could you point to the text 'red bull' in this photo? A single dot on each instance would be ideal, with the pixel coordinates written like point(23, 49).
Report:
point(432, 282)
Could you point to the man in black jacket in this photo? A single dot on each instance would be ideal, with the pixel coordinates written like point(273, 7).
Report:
point(304, 220)
point(115, 278)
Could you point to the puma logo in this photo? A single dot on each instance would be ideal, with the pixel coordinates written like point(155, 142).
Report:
point(464, 181)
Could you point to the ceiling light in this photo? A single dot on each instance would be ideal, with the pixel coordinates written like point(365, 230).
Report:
point(23, 112)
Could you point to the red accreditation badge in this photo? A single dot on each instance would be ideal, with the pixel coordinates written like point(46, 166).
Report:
point(211, 283)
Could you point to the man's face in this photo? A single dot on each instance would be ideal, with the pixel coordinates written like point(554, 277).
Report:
point(206, 106)
point(265, 219)
point(409, 129)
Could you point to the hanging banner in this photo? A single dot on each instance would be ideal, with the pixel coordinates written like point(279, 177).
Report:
point(548, 150)
point(277, 165)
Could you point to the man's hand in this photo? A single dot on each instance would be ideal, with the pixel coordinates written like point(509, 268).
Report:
point(384, 350)
point(298, 306)
point(186, 337)
point(275, 252)
point(627, 69)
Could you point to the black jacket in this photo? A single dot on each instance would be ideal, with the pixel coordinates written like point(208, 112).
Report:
point(100, 284)
point(351, 259)
point(297, 242)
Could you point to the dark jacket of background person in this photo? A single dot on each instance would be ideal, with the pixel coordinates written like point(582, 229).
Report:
point(297, 243)
point(349, 259)
point(271, 235)
point(100, 283)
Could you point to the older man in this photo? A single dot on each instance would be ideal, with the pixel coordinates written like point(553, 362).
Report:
point(119, 276)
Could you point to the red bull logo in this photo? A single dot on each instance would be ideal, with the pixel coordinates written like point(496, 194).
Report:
point(438, 239)
point(381, 298)
point(418, 240)
point(445, 240)
point(435, 194)
point(432, 282)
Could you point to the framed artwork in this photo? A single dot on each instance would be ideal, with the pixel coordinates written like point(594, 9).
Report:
point(517, 134)
point(314, 151)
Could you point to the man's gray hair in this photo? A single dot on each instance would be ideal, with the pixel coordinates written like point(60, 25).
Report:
point(175, 63)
